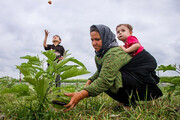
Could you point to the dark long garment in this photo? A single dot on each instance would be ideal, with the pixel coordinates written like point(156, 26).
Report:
point(139, 80)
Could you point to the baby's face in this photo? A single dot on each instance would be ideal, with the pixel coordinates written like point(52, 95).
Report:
point(123, 33)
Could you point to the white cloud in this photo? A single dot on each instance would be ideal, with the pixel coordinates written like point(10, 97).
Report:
point(156, 25)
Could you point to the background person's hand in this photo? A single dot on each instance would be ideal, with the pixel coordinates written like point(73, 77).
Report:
point(60, 58)
point(75, 98)
point(46, 32)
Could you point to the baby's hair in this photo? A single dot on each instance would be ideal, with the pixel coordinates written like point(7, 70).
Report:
point(127, 25)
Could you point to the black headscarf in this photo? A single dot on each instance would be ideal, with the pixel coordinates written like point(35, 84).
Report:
point(108, 39)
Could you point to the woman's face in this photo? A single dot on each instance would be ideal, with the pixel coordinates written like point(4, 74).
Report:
point(96, 40)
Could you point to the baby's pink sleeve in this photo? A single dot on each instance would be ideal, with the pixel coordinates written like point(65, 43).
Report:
point(132, 39)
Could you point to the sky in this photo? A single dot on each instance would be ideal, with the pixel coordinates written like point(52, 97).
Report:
point(156, 24)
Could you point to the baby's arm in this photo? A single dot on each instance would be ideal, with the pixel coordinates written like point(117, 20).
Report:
point(133, 48)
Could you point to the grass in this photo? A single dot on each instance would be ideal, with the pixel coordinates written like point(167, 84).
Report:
point(101, 107)
point(75, 81)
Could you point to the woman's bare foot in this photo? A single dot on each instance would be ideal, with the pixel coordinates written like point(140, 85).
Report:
point(120, 104)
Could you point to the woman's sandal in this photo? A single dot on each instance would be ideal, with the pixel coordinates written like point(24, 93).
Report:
point(59, 102)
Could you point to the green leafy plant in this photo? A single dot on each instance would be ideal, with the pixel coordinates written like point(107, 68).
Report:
point(40, 82)
point(174, 88)
point(7, 82)
point(169, 67)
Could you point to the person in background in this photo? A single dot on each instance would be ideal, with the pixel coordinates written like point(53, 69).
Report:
point(115, 75)
point(59, 50)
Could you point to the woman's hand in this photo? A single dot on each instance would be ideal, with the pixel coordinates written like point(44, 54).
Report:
point(75, 98)
point(87, 83)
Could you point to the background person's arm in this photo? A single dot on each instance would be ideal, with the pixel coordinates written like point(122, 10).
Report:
point(45, 39)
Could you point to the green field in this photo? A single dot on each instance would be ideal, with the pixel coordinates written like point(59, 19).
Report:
point(101, 107)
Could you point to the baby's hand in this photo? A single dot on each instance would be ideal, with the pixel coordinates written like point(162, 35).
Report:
point(121, 46)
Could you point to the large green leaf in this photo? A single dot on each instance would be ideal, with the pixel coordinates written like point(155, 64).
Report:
point(32, 70)
point(165, 68)
point(32, 60)
point(50, 69)
point(74, 71)
point(66, 54)
point(50, 55)
point(24, 71)
point(28, 69)
point(61, 63)
point(41, 88)
point(50, 62)
point(30, 66)
point(30, 80)
point(72, 59)
point(66, 67)
point(175, 81)
point(38, 74)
